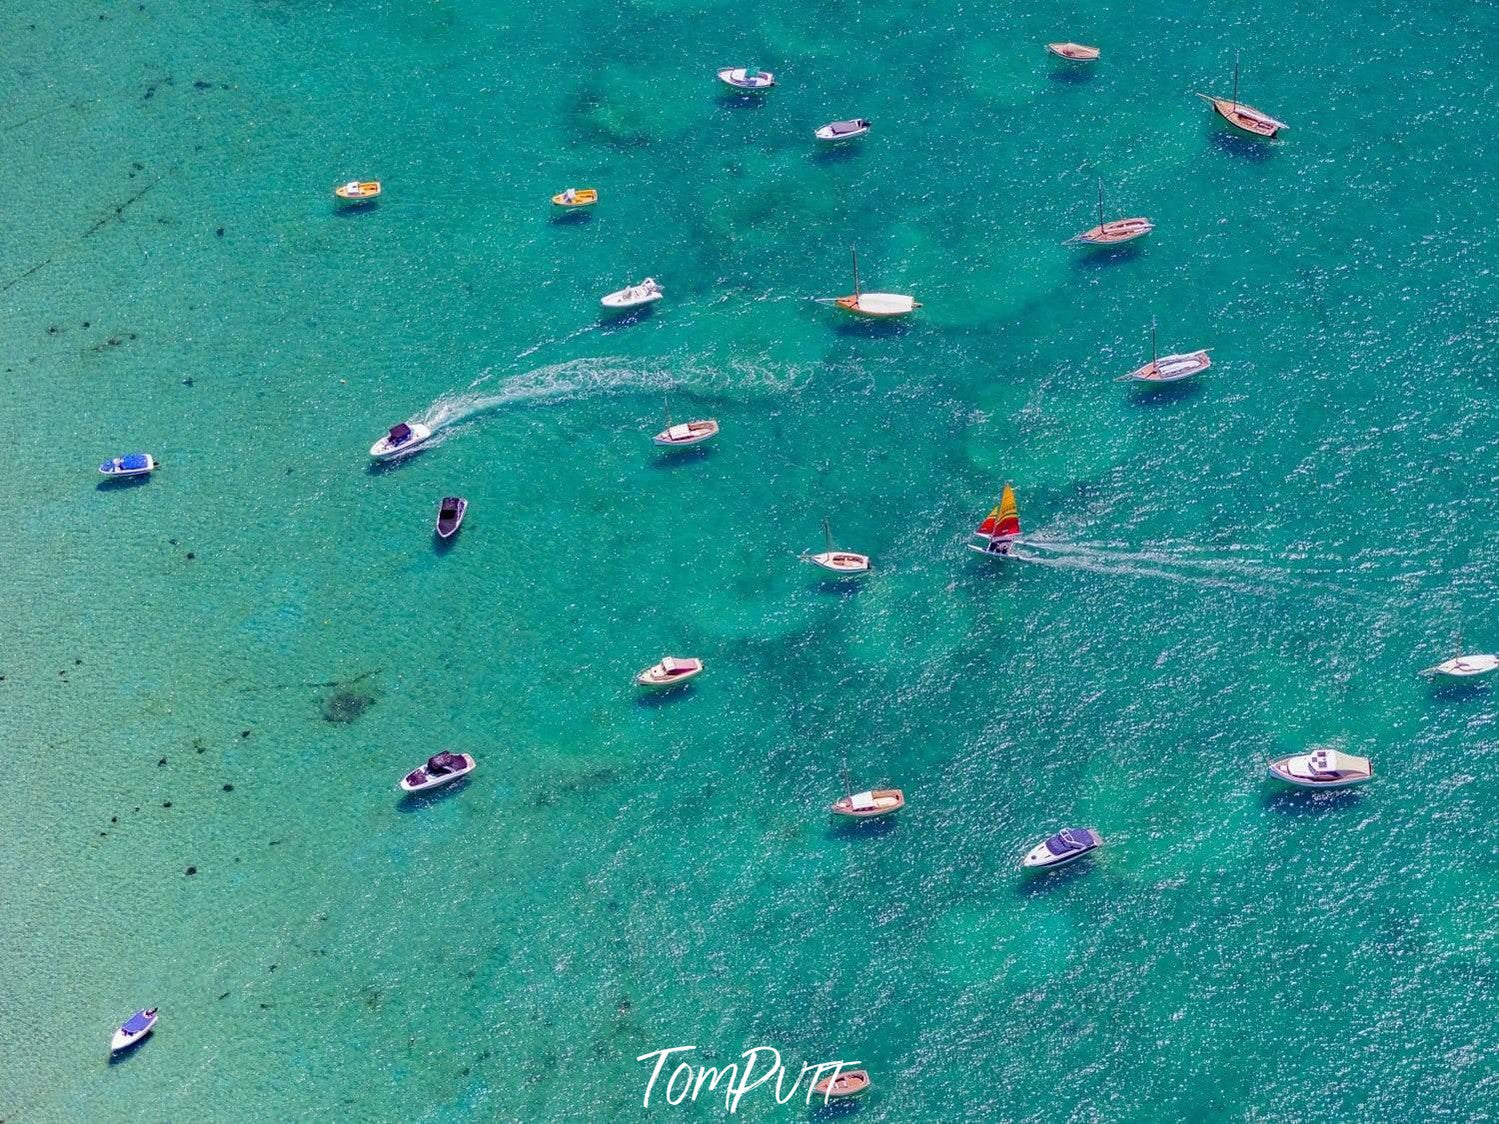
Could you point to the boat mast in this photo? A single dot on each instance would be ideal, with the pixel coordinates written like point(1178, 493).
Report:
point(666, 402)
point(1152, 340)
point(1100, 200)
point(1236, 81)
point(827, 534)
point(848, 788)
point(853, 251)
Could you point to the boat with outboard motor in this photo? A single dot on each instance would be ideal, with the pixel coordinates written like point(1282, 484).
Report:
point(131, 464)
point(633, 296)
point(402, 439)
point(1062, 848)
point(439, 769)
point(748, 79)
point(1322, 768)
point(133, 1030)
point(450, 514)
point(670, 672)
point(576, 197)
point(357, 191)
point(843, 130)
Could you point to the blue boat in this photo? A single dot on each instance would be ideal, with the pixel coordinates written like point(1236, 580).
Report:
point(133, 1030)
point(1066, 845)
point(131, 464)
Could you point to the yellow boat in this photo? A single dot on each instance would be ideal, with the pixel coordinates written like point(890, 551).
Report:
point(581, 197)
point(358, 191)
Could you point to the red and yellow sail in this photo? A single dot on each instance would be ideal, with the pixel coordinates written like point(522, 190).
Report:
point(1004, 521)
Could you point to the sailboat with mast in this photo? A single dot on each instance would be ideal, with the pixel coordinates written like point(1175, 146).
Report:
point(866, 805)
point(687, 433)
point(845, 563)
point(1242, 116)
point(1000, 529)
point(879, 305)
point(1461, 667)
point(1113, 232)
point(1168, 368)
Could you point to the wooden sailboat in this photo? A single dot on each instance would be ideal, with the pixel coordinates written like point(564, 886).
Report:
point(1073, 52)
point(860, 303)
point(357, 191)
point(1113, 232)
point(1242, 116)
point(1001, 527)
point(841, 562)
point(687, 433)
point(866, 805)
point(1168, 368)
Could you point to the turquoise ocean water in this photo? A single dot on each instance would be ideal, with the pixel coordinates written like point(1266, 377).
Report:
point(1259, 562)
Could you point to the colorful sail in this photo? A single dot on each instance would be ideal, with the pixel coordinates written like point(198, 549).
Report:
point(986, 528)
point(1007, 525)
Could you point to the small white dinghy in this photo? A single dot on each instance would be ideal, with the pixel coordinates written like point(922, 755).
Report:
point(670, 672)
point(633, 296)
point(131, 464)
point(841, 562)
point(133, 1030)
point(1322, 768)
point(402, 439)
point(843, 130)
point(440, 769)
point(750, 78)
point(1065, 846)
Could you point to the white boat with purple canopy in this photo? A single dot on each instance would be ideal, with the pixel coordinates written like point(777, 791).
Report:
point(440, 769)
point(131, 464)
point(748, 78)
point(402, 439)
point(133, 1030)
point(1065, 846)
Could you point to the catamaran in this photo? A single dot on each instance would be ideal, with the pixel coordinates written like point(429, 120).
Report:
point(1241, 116)
point(1168, 368)
point(860, 303)
point(1113, 232)
point(687, 433)
point(842, 562)
point(1001, 527)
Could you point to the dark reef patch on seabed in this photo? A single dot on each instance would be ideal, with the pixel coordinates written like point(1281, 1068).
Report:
point(344, 706)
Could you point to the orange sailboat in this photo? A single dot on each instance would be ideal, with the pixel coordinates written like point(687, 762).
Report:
point(1001, 527)
point(1242, 116)
point(1113, 232)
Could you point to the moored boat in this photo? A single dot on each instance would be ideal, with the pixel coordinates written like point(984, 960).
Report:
point(358, 191)
point(1000, 529)
point(747, 78)
point(1241, 116)
point(843, 130)
point(842, 562)
point(438, 770)
point(670, 672)
point(576, 197)
point(1168, 368)
point(131, 464)
point(402, 439)
point(133, 1030)
point(1073, 52)
point(1464, 667)
point(633, 296)
point(849, 1083)
point(450, 513)
point(1062, 848)
point(1113, 232)
point(1322, 768)
point(686, 433)
point(878, 305)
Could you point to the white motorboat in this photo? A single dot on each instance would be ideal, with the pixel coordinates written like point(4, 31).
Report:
point(633, 296)
point(131, 464)
point(670, 672)
point(843, 130)
point(440, 769)
point(1062, 848)
point(747, 78)
point(1464, 667)
point(1322, 768)
point(133, 1030)
point(402, 439)
point(842, 562)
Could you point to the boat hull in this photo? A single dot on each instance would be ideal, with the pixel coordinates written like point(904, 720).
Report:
point(1280, 769)
point(585, 198)
point(114, 469)
point(882, 802)
point(845, 563)
point(1170, 368)
point(447, 528)
point(1245, 118)
point(123, 1041)
point(358, 193)
point(1114, 233)
point(738, 79)
point(622, 300)
point(994, 548)
point(656, 678)
point(1041, 857)
point(850, 1083)
point(406, 784)
point(827, 136)
point(1074, 52)
point(878, 306)
point(698, 432)
point(1463, 668)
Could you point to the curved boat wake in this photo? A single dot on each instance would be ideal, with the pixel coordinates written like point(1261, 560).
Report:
point(1232, 570)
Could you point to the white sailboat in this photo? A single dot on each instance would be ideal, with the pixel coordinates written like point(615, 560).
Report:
point(845, 563)
point(878, 305)
point(686, 433)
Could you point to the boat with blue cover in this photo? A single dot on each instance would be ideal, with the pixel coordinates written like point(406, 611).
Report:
point(131, 464)
point(1062, 848)
point(133, 1030)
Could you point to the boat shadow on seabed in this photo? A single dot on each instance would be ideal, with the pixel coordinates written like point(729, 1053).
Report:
point(839, 1109)
point(1098, 257)
point(674, 458)
point(1071, 75)
point(1309, 802)
point(415, 801)
point(1165, 393)
point(1036, 882)
point(1250, 148)
point(844, 827)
